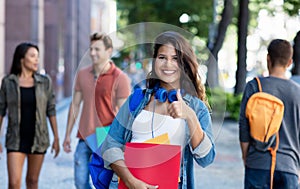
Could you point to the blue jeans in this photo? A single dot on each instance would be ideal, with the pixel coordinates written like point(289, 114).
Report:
point(260, 179)
point(82, 158)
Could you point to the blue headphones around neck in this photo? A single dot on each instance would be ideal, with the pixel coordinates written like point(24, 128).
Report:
point(161, 94)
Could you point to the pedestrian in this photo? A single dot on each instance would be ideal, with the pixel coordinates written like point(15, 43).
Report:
point(101, 88)
point(296, 59)
point(28, 99)
point(257, 163)
point(174, 66)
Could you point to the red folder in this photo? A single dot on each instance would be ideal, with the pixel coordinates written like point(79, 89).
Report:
point(155, 164)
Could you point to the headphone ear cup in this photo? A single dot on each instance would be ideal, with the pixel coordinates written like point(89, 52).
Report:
point(172, 95)
point(161, 94)
point(135, 99)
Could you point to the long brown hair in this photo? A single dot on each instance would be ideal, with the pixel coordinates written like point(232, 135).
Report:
point(190, 80)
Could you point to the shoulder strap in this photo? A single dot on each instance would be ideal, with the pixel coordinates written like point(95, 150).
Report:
point(258, 83)
point(273, 152)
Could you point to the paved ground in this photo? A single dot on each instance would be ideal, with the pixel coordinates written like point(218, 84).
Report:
point(226, 172)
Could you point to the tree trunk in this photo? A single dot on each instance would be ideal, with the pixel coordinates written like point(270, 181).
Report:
point(242, 49)
point(213, 75)
point(296, 55)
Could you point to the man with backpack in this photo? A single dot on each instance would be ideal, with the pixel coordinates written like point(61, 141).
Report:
point(258, 161)
point(100, 88)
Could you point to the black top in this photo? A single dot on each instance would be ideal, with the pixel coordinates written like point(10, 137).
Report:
point(27, 125)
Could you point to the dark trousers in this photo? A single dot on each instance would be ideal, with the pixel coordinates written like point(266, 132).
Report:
point(260, 179)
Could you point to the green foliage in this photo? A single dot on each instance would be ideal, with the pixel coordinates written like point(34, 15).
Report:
point(200, 12)
point(217, 100)
point(292, 7)
point(224, 102)
point(233, 103)
point(167, 11)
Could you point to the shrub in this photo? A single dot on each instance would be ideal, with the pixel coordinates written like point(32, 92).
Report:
point(224, 102)
point(233, 103)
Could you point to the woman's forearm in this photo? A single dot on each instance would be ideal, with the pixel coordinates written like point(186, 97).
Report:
point(122, 171)
point(196, 132)
point(53, 124)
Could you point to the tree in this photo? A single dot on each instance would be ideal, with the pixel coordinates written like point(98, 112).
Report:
point(212, 75)
point(167, 11)
point(242, 49)
point(296, 55)
point(291, 7)
point(200, 18)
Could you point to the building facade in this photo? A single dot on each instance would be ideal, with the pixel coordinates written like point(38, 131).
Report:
point(61, 29)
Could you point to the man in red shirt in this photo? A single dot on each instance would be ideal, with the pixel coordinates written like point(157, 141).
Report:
point(101, 88)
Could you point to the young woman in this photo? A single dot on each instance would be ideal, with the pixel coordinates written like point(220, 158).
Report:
point(186, 120)
point(27, 97)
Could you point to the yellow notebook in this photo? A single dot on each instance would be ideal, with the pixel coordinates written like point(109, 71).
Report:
point(161, 139)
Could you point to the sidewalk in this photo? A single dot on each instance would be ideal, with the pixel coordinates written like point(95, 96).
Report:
point(226, 172)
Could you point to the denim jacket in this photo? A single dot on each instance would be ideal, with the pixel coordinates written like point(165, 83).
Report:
point(120, 133)
point(10, 103)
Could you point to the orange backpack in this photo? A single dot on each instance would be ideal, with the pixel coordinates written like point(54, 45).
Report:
point(265, 112)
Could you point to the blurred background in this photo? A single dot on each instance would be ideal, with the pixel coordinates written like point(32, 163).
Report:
point(235, 32)
point(230, 38)
point(60, 28)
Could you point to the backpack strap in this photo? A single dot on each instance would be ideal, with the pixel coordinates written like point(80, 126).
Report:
point(258, 83)
point(273, 152)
